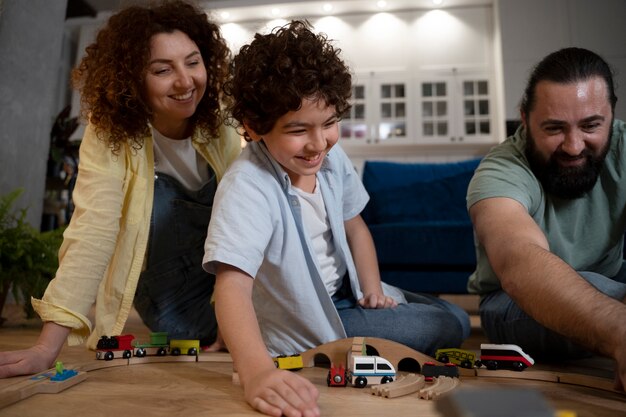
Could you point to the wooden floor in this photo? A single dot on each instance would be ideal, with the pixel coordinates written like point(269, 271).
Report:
point(206, 388)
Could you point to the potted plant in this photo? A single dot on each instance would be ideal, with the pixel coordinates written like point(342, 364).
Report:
point(28, 258)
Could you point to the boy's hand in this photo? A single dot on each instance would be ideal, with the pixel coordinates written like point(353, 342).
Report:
point(377, 300)
point(276, 392)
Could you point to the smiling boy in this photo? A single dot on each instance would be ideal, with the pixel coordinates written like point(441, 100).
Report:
point(295, 262)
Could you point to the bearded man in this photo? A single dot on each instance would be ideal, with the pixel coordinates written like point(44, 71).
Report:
point(548, 207)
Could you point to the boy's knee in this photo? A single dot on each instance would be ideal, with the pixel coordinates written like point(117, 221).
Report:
point(440, 329)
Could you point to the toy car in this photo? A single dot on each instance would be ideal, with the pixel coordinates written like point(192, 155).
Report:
point(109, 348)
point(184, 347)
point(293, 362)
point(337, 376)
point(430, 370)
point(498, 356)
point(158, 345)
point(463, 358)
point(372, 370)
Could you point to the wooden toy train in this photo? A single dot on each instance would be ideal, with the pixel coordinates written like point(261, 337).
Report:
point(492, 356)
point(126, 346)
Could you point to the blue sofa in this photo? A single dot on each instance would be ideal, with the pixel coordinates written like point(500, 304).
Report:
point(418, 219)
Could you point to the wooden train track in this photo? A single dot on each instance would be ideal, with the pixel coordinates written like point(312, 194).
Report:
point(440, 386)
point(411, 383)
point(42, 384)
point(336, 352)
point(404, 385)
point(38, 384)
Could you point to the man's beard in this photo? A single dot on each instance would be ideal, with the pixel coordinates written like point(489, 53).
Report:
point(566, 182)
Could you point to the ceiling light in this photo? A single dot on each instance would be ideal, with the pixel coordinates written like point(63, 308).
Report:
point(327, 7)
point(381, 4)
point(225, 15)
point(437, 2)
point(275, 11)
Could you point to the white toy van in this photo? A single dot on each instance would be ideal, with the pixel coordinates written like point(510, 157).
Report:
point(371, 370)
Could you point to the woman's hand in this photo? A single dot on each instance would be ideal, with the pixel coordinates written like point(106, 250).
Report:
point(28, 361)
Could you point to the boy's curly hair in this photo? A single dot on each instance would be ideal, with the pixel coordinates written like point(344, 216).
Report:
point(111, 76)
point(273, 74)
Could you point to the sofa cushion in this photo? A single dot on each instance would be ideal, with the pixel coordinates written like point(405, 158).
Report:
point(405, 192)
point(434, 245)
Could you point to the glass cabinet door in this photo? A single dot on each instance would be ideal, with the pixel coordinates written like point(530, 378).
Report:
point(476, 109)
point(392, 112)
point(435, 109)
point(354, 125)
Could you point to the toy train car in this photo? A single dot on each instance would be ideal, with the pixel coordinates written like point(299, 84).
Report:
point(292, 363)
point(125, 346)
point(109, 348)
point(504, 356)
point(337, 376)
point(370, 370)
point(158, 345)
point(460, 357)
point(184, 347)
point(430, 370)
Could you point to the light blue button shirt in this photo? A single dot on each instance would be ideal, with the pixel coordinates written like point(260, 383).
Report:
point(256, 226)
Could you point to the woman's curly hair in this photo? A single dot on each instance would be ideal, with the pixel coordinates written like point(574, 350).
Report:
point(111, 76)
point(273, 74)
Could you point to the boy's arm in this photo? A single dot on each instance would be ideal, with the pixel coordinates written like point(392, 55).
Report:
point(364, 255)
point(271, 391)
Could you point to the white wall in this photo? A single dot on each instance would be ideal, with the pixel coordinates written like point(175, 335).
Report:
point(531, 29)
point(31, 34)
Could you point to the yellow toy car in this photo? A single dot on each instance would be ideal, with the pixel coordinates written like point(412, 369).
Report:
point(184, 347)
point(463, 358)
point(293, 362)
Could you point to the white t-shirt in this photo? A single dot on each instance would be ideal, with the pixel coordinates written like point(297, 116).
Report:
point(178, 158)
point(316, 223)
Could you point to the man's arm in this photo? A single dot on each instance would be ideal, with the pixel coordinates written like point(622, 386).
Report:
point(271, 391)
point(364, 255)
point(544, 286)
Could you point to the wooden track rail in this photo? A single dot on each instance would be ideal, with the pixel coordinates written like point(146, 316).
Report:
point(404, 385)
point(440, 386)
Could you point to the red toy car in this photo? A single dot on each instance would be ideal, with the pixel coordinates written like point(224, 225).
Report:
point(337, 376)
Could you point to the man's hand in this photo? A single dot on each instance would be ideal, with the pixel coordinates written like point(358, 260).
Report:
point(377, 300)
point(276, 392)
point(620, 369)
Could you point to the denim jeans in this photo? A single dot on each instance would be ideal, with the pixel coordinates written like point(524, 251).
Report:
point(504, 322)
point(426, 323)
point(174, 292)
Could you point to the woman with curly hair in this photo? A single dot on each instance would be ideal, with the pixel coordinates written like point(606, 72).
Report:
point(295, 263)
point(150, 159)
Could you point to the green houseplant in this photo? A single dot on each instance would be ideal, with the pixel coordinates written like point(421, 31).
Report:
point(28, 258)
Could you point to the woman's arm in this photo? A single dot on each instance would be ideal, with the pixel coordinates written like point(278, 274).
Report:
point(37, 358)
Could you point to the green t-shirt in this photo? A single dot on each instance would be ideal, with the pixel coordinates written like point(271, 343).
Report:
point(587, 233)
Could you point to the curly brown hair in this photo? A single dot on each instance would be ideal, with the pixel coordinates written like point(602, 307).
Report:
point(111, 76)
point(273, 74)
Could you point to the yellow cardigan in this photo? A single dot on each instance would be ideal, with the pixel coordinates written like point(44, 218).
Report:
point(105, 243)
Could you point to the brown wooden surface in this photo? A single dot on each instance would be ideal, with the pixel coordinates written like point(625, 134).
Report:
point(206, 388)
